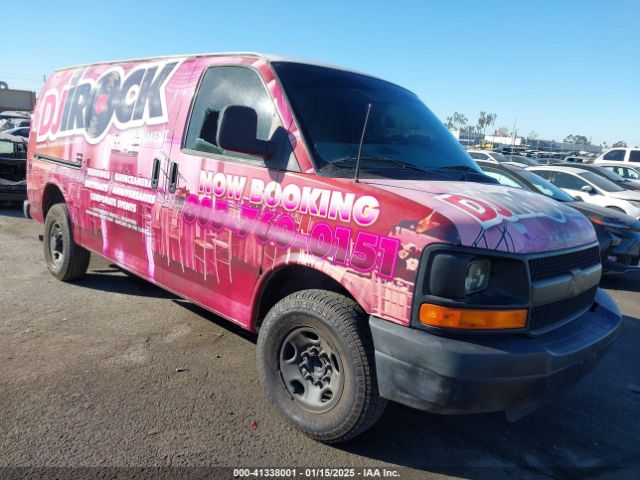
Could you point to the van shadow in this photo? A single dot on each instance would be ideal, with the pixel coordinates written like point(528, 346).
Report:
point(111, 278)
point(114, 279)
point(587, 430)
point(217, 320)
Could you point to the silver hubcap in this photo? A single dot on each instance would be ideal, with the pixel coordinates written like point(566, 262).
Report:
point(311, 370)
point(56, 245)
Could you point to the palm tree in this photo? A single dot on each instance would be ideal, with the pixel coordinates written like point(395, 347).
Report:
point(449, 123)
point(486, 120)
point(460, 119)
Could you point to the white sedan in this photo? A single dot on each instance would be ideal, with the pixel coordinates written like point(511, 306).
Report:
point(591, 188)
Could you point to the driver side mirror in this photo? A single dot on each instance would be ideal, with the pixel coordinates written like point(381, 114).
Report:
point(589, 189)
point(237, 132)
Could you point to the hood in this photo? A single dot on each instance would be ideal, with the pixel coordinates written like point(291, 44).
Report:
point(626, 195)
point(496, 217)
point(630, 184)
point(608, 214)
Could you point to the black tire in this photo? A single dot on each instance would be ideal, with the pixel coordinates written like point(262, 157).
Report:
point(343, 354)
point(65, 259)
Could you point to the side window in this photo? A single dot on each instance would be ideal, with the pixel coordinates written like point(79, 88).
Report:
point(618, 170)
point(544, 174)
point(634, 156)
point(565, 180)
point(6, 148)
point(222, 86)
point(624, 172)
point(616, 155)
point(503, 179)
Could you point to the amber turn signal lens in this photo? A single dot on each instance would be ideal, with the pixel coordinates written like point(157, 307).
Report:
point(462, 318)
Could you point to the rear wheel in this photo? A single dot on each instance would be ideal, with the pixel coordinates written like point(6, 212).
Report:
point(65, 259)
point(316, 362)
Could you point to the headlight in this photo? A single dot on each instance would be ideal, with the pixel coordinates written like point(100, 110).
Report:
point(609, 223)
point(477, 277)
point(456, 275)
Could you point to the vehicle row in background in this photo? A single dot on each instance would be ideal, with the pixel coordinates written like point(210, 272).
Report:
point(493, 156)
point(618, 233)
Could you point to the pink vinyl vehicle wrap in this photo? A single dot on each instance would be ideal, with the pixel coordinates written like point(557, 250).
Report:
point(266, 191)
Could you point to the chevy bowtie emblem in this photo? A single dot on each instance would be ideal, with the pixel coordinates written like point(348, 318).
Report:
point(576, 282)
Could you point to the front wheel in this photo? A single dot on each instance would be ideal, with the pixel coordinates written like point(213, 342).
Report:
point(65, 259)
point(316, 362)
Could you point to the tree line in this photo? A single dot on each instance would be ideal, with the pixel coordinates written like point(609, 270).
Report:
point(485, 120)
point(459, 120)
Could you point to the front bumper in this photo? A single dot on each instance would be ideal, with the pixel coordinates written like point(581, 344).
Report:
point(622, 254)
point(12, 196)
point(488, 373)
point(12, 191)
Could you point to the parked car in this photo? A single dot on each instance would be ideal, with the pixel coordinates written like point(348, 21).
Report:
point(521, 160)
point(546, 158)
point(575, 159)
point(332, 213)
point(11, 119)
point(618, 233)
point(630, 172)
point(18, 131)
point(13, 167)
point(619, 154)
point(489, 155)
point(591, 188)
point(612, 176)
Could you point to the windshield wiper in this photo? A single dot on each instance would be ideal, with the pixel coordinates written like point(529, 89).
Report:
point(367, 158)
point(469, 173)
point(464, 168)
point(440, 172)
point(403, 165)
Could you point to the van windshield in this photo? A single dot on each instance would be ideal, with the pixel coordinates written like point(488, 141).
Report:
point(402, 136)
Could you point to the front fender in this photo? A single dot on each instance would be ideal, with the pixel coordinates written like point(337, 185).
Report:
point(388, 299)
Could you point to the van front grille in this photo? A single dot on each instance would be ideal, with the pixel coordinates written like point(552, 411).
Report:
point(544, 268)
point(544, 316)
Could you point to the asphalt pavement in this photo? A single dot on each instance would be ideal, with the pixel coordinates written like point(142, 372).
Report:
point(112, 371)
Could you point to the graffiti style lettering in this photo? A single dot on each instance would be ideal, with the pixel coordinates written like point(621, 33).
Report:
point(492, 208)
point(90, 107)
point(318, 202)
point(369, 251)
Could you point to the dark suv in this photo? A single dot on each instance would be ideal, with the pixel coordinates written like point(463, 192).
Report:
point(13, 167)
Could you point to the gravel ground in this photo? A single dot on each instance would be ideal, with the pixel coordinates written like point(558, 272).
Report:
point(89, 379)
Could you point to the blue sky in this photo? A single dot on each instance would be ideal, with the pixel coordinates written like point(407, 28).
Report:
point(558, 67)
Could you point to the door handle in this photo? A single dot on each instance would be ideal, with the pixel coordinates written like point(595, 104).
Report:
point(155, 173)
point(173, 177)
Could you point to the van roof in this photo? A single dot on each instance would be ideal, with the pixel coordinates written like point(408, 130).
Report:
point(266, 56)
